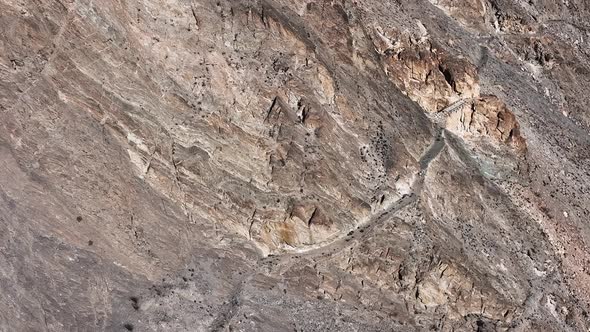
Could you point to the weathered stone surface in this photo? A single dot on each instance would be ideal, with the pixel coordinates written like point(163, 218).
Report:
point(424, 71)
point(296, 165)
point(471, 13)
point(487, 116)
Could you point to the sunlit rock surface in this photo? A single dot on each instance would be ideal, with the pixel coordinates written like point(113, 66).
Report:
point(301, 165)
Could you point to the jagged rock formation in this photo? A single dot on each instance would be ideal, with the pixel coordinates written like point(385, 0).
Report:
point(489, 117)
point(270, 165)
point(424, 71)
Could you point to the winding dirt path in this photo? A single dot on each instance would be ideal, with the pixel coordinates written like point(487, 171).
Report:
point(338, 243)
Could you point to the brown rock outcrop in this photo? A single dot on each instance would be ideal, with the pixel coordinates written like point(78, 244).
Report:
point(424, 71)
point(294, 165)
point(487, 116)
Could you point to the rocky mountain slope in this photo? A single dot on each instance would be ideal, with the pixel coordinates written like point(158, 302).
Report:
point(294, 165)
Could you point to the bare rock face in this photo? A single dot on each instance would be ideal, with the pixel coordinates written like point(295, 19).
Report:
point(471, 13)
point(424, 71)
point(487, 116)
point(439, 82)
point(272, 165)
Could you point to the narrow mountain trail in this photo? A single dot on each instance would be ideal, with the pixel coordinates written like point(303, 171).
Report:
point(272, 264)
point(363, 229)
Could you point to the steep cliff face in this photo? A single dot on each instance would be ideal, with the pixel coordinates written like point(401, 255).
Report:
point(294, 165)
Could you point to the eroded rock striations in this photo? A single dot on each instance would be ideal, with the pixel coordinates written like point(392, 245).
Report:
point(303, 165)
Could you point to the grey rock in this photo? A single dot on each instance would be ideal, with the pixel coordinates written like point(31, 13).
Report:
point(296, 165)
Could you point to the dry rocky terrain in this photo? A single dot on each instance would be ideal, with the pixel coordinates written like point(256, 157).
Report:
point(294, 165)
